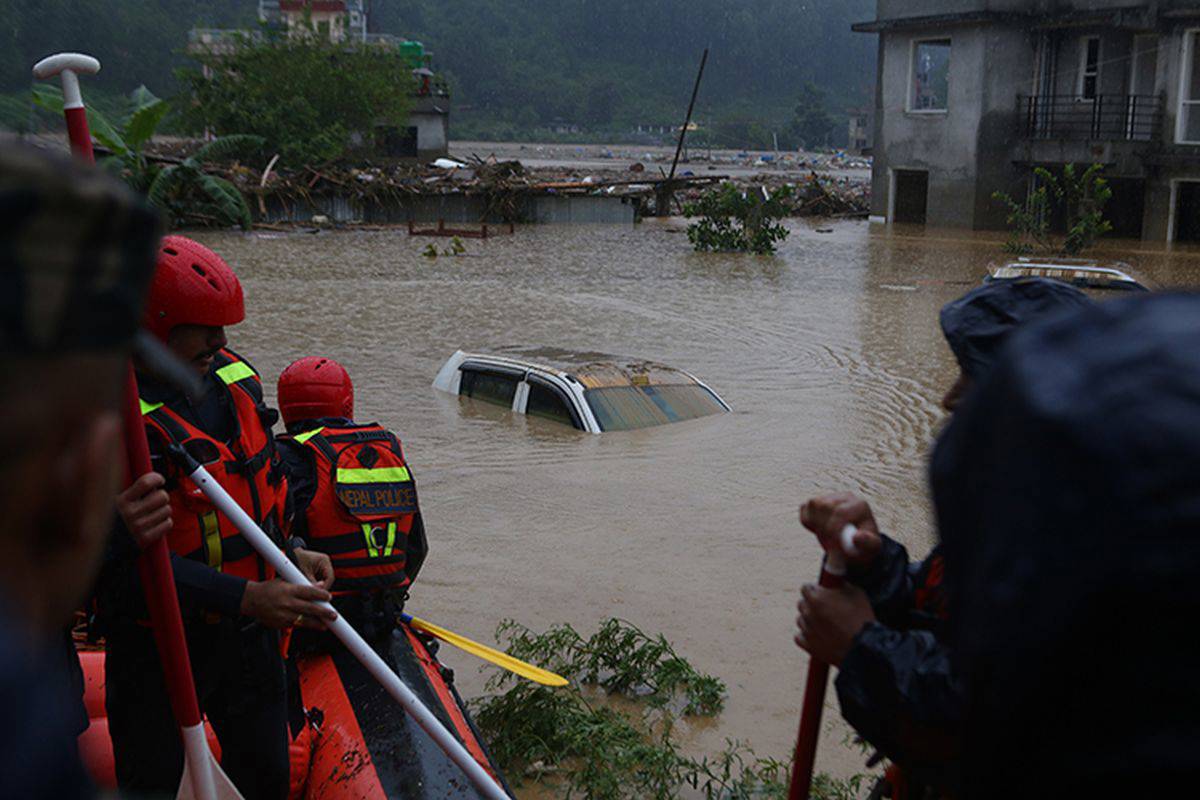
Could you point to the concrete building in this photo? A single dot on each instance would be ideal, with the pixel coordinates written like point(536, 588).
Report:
point(971, 95)
point(860, 134)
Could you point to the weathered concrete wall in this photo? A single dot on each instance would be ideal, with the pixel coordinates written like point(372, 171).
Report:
point(454, 208)
point(1008, 68)
point(941, 143)
point(433, 134)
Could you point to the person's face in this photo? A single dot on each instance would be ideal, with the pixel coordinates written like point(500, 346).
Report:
point(954, 394)
point(196, 345)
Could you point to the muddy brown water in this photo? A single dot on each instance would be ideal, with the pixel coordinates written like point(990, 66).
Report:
point(829, 353)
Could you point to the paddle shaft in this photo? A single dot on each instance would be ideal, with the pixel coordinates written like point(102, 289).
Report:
point(154, 563)
point(378, 668)
point(833, 576)
point(158, 584)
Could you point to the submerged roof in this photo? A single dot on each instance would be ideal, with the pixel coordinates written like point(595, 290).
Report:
point(595, 370)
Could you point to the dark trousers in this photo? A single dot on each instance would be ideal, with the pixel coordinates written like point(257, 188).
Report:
point(241, 686)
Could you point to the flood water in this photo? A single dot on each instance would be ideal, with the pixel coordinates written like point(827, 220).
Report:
point(829, 353)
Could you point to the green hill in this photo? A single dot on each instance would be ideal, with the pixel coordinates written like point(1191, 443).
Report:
point(518, 65)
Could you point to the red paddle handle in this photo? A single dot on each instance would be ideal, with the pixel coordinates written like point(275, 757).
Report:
point(158, 581)
point(810, 713)
point(78, 133)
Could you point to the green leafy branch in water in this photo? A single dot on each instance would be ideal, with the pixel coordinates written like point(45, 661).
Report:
point(621, 659)
point(596, 750)
point(735, 221)
point(456, 248)
point(1080, 197)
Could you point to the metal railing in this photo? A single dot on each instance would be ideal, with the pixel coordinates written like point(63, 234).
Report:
point(1105, 117)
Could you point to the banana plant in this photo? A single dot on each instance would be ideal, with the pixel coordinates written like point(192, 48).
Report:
point(184, 192)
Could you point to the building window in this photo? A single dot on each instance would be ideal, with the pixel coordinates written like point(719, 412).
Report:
point(1089, 68)
point(1187, 126)
point(930, 76)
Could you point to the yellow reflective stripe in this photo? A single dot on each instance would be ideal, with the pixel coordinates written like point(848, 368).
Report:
point(388, 547)
point(232, 373)
point(391, 540)
point(212, 539)
point(148, 407)
point(379, 475)
point(304, 437)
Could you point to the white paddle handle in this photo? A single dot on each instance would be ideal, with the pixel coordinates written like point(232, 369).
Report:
point(834, 563)
point(378, 668)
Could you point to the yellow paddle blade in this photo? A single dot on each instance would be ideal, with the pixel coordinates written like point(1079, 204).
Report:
point(514, 665)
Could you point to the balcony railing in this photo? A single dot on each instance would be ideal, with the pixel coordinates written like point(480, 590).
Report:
point(1106, 117)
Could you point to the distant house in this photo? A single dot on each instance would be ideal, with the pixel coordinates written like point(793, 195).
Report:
point(427, 135)
point(861, 130)
point(973, 94)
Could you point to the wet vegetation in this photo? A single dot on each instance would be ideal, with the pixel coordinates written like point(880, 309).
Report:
point(180, 188)
point(1077, 197)
point(306, 95)
point(611, 734)
point(738, 221)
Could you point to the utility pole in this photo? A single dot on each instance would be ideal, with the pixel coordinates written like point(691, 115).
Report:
point(665, 192)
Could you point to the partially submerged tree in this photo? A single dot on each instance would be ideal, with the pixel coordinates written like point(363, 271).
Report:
point(184, 192)
point(304, 94)
point(732, 220)
point(1079, 198)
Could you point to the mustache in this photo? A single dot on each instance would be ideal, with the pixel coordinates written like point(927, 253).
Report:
point(207, 354)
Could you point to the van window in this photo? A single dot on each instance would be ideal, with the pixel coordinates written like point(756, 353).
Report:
point(623, 408)
point(490, 387)
point(548, 403)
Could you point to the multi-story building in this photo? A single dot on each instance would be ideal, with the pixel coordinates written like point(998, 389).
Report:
point(973, 94)
point(860, 131)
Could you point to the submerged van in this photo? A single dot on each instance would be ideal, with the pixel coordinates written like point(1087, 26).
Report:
point(593, 396)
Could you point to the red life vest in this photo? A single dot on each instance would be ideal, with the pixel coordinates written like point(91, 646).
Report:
point(364, 506)
point(246, 467)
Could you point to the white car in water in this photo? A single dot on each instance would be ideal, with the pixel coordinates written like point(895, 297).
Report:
point(593, 396)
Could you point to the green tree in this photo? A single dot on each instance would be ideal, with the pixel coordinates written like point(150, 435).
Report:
point(735, 221)
point(811, 124)
point(1079, 198)
point(305, 95)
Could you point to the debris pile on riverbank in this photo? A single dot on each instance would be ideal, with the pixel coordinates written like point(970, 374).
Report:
point(501, 188)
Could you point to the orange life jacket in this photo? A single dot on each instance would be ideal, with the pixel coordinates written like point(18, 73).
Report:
point(246, 467)
point(364, 506)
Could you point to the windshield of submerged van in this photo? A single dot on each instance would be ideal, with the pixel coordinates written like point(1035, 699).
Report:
point(624, 408)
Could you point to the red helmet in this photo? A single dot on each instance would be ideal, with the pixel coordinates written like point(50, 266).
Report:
point(192, 285)
point(315, 387)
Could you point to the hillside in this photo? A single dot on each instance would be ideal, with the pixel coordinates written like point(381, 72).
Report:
point(604, 65)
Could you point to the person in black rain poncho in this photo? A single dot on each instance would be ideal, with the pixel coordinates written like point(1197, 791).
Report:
point(1068, 501)
point(887, 629)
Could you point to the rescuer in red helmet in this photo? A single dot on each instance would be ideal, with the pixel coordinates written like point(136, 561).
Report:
point(354, 495)
point(233, 605)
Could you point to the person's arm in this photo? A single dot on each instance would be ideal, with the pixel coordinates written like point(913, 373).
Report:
point(887, 581)
point(900, 692)
point(201, 585)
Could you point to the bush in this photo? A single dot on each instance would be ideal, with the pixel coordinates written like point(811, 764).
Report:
point(584, 746)
point(735, 221)
point(1080, 197)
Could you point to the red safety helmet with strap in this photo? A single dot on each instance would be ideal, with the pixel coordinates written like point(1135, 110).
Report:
point(192, 285)
point(315, 388)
